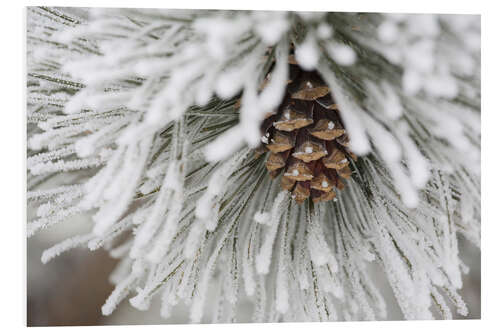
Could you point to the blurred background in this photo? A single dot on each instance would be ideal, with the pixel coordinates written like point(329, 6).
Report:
point(70, 289)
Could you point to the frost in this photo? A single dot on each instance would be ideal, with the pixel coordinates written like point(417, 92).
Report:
point(388, 32)
point(262, 218)
point(146, 120)
point(307, 53)
point(428, 63)
point(192, 241)
point(225, 145)
point(342, 54)
point(263, 259)
point(65, 245)
point(324, 31)
point(271, 26)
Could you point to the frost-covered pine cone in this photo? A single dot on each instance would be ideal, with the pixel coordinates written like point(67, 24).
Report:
point(149, 120)
point(306, 139)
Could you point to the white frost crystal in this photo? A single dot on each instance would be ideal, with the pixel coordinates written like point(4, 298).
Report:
point(307, 53)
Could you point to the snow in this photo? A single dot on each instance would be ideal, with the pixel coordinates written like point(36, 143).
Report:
point(207, 207)
point(47, 221)
point(270, 26)
point(443, 86)
point(132, 169)
point(307, 53)
point(247, 262)
point(151, 224)
point(385, 142)
point(225, 145)
point(412, 82)
point(262, 217)
point(417, 164)
point(316, 244)
point(175, 176)
point(192, 242)
point(324, 31)
point(344, 55)
point(263, 259)
point(64, 246)
point(424, 25)
point(282, 277)
point(122, 289)
point(228, 84)
point(387, 32)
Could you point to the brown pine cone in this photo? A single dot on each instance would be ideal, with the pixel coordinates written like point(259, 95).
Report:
point(306, 140)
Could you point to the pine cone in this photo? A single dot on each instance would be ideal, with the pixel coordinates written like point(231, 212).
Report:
point(307, 140)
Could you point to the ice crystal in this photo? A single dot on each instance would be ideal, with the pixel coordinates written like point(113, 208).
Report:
point(147, 119)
